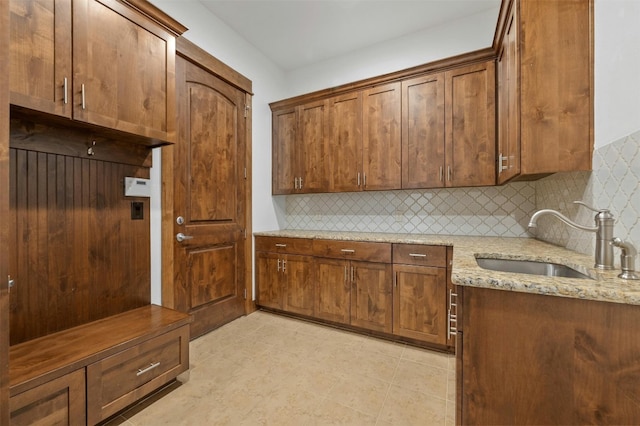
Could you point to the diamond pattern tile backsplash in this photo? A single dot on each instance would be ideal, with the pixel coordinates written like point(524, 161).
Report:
point(503, 211)
point(614, 183)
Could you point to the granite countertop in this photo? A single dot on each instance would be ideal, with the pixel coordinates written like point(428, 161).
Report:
point(605, 285)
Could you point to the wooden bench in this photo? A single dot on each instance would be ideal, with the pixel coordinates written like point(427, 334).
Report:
point(86, 374)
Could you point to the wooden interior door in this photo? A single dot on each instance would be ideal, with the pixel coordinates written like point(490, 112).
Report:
point(4, 212)
point(209, 184)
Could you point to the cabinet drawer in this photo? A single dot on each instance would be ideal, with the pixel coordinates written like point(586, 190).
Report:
point(353, 250)
point(60, 401)
point(284, 245)
point(121, 379)
point(418, 254)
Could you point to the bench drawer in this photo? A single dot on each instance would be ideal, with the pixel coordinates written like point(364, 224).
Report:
point(119, 380)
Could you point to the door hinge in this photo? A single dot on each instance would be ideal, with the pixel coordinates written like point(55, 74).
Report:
point(246, 110)
point(245, 294)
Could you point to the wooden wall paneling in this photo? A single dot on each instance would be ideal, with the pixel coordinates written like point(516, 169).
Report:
point(5, 217)
point(78, 255)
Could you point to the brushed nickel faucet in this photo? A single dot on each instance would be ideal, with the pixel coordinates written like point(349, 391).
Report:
point(627, 259)
point(603, 229)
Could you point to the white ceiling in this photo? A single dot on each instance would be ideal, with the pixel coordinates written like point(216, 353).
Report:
point(297, 33)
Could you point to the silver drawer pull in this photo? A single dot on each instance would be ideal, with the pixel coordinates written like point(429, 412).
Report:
point(417, 255)
point(348, 251)
point(281, 245)
point(151, 366)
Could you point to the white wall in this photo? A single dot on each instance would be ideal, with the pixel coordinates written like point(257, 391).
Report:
point(617, 70)
point(454, 38)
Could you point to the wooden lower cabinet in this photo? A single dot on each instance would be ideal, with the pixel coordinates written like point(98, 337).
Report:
point(354, 292)
point(115, 382)
point(533, 359)
point(85, 374)
point(420, 292)
point(359, 284)
point(57, 402)
point(284, 281)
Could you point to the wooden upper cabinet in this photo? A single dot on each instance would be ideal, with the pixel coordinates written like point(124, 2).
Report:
point(299, 149)
point(423, 132)
point(313, 126)
point(381, 137)
point(548, 85)
point(414, 130)
point(285, 162)
point(508, 102)
point(124, 70)
point(470, 125)
point(345, 148)
point(40, 72)
point(102, 62)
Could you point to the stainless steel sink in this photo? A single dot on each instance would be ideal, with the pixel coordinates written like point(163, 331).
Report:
point(530, 267)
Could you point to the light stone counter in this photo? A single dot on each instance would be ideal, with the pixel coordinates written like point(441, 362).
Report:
point(605, 285)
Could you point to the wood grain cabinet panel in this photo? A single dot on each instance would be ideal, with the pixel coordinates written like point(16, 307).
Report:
point(371, 302)
point(57, 402)
point(545, 79)
point(119, 380)
point(470, 125)
point(381, 138)
point(535, 359)
point(423, 143)
point(124, 82)
point(40, 69)
point(333, 290)
point(284, 279)
point(345, 133)
point(285, 162)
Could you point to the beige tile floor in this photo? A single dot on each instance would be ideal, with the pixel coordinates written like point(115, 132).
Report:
point(265, 369)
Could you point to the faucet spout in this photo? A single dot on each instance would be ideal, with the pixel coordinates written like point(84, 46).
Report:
point(603, 229)
point(533, 223)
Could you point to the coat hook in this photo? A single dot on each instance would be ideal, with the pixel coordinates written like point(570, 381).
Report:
point(90, 150)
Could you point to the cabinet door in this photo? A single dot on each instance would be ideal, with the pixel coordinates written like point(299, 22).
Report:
point(470, 125)
point(61, 401)
point(508, 103)
point(313, 147)
point(40, 55)
point(299, 284)
point(124, 70)
point(345, 130)
point(285, 159)
point(268, 280)
point(419, 303)
point(371, 295)
point(423, 132)
point(333, 290)
point(381, 147)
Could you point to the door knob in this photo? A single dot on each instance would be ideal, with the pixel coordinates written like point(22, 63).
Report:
point(181, 237)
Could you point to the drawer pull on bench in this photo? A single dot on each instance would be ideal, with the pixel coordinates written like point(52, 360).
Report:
point(149, 368)
point(417, 255)
point(348, 250)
